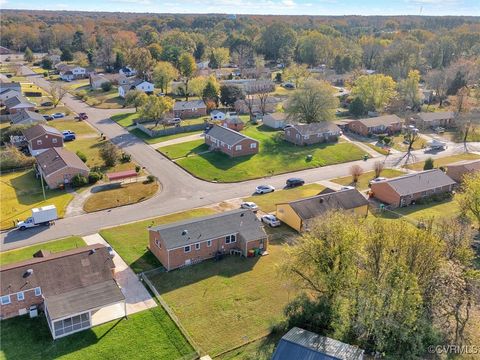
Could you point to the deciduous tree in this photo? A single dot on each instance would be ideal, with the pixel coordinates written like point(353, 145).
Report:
point(57, 93)
point(187, 68)
point(376, 91)
point(156, 107)
point(163, 74)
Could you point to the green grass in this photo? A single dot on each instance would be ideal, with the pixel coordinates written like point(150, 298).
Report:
point(81, 128)
point(267, 202)
point(377, 149)
point(275, 156)
point(21, 191)
point(145, 335)
point(126, 119)
point(184, 149)
point(131, 240)
point(362, 183)
point(397, 143)
point(158, 139)
point(444, 161)
point(12, 256)
point(224, 304)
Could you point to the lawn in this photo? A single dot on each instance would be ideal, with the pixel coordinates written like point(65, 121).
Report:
point(145, 335)
point(184, 149)
point(131, 240)
point(72, 242)
point(21, 191)
point(377, 148)
point(362, 183)
point(397, 143)
point(267, 202)
point(126, 119)
point(81, 128)
point(120, 195)
point(241, 297)
point(275, 156)
point(445, 160)
point(158, 139)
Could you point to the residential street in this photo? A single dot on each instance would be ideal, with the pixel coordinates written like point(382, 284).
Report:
point(181, 191)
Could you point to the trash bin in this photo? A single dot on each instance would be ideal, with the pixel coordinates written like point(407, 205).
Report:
point(257, 251)
point(251, 253)
point(309, 157)
point(365, 157)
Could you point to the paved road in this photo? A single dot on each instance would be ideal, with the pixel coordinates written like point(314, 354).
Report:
point(181, 191)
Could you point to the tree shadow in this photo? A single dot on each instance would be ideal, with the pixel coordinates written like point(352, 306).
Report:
point(222, 161)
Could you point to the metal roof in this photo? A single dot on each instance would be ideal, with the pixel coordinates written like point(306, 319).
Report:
point(228, 136)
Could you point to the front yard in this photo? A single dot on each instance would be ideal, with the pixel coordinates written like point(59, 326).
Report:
point(444, 161)
point(184, 149)
point(99, 98)
point(364, 179)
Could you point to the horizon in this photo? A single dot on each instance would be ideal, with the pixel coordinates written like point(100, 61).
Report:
point(260, 7)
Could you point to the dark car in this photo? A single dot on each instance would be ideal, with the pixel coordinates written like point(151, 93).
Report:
point(47, 103)
point(82, 116)
point(48, 117)
point(294, 182)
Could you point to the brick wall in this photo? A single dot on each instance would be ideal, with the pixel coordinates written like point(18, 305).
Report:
point(59, 177)
point(13, 309)
point(47, 142)
point(242, 148)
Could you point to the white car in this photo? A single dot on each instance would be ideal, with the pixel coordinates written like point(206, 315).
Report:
point(348, 187)
point(263, 189)
point(271, 220)
point(378, 179)
point(249, 205)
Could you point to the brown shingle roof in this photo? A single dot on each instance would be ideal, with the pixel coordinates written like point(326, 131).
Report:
point(39, 130)
point(316, 128)
point(385, 120)
point(55, 159)
point(433, 116)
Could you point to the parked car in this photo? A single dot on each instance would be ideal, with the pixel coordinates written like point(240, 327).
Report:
point(439, 130)
point(288, 86)
point(373, 181)
point(68, 132)
point(46, 103)
point(110, 251)
point(48, 117)
point(81, 116)
point(249, 205)
point(58, 115)
point(174, 121)
point(294, 182)
point(271, 220)
point(68, 135)
point(263, 189)
point(348, 187)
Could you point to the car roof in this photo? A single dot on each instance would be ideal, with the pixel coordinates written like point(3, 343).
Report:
point(295, 179)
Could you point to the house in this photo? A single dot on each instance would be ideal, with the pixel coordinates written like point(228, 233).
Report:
point(127, 71)
point(136, 84)
point(191, 241)
point(26, 117)
point(7, 94)
point(58, 166)
point(426, 120)
point(74, 288)
point(230, 142)
point(377, 125)
point(299, 213)
point(187, 109)
point(5, 85)
point(17, 103)
point(96, 80)
point(217, 115)
point(270, 105)
point(233, 121)
point(302, 344)
point(41, 138)
point(407, 189)
point(307, 134)
point(457, 170)
point(276, 120)
point(71, 72)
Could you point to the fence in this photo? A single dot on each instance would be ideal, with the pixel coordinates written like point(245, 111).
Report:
point(171, 130)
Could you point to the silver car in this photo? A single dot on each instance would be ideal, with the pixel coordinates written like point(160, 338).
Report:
point(271, 220)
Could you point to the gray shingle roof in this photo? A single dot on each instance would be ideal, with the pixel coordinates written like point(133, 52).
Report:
point(385, 120)
point(316, 128)
point(306, 345)
point(419, 182)
point(16, 100)
point(55, 159)
point(188, 105)
point(10, 85)
point(26, 117)
point(469, 165)
point(39, 130)
point(214, 226)
point(314, 206)
point(228, 136)
point(433, 116)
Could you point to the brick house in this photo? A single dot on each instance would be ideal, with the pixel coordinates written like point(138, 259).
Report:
point(457, 170)
point(307, 134)
point(389, 124)
point(25, 117)
point(41, 138)
point(58, 166)
point(17, 103)
point(405, 190)
point(191, 241)
point(70, 287)
point(424, 120)
point(233, 121)
point(188, 109)
point(230, 142)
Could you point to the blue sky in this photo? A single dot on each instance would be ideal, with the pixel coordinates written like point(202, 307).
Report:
point(285, 7)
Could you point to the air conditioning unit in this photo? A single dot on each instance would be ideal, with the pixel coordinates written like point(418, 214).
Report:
point(33, 311)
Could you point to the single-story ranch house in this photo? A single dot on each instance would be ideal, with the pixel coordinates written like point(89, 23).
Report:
point(425, 120)
point(7, 94)
point(230, 142)
point(217, 115)
point(405, 190)
point(307, 134)
point(26, 117)
point(377, 125)
point(17, 103)
point(299, 213)
point(459, 169)
point(41, 137)
point(70, 287)
point(187, 109)
point(136, 84)
point(188, 242)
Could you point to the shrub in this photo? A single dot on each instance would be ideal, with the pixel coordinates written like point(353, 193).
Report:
point(82, 94)
point(126, 158)
point(12, 158)
point(79, 180)
point(386, 140)
point(110, 154)
point(150, 179)
point(138, 168)
point(106, 86)
point(45, 74)
point(82, 156)
point(428, 164)
point(94, 176)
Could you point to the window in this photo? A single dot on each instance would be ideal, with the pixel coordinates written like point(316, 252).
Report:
point(186, 249)
point(306, 137)
point(159, 245)
point(230, 239)
point(297, 136)
point(39, 142)
point(6, 300)
point(229, 147)
point(238, 147)
point(54, 140)
point(38, 291)
point(209, 243)
point(197, 246)
point(20, 296)
point(253, 145)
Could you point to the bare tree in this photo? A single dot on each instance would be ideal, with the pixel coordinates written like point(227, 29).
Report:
point(410, 136)
point(57, 93)
point(257, 90)
point(437, 80)
point(356, 171)
point(378, 168)
point(466, 124)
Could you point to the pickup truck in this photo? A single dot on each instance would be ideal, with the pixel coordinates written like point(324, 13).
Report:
point(40, 216)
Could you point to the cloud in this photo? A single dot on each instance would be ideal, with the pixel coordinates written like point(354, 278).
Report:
point(138, 2)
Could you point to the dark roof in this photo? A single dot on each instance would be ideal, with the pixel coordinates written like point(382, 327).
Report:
point(228, 136)
point(384, 120)
point(39, 130)
point(12, 91)
point(316, 128)
point(194, 230)
point(54, 159)
point(10, 85)
point(83, 299)
point(418, 182)
point(468, 165)
point(26, 117)
point(60, 272)
point(233, 120)
point(16, 100)
point(314, 206)
point(187, 105)
point(278, 116)
point(306, 345)
point(432, 116)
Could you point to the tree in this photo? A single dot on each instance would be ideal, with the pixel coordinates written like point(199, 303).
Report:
point(297, 74)
point(106, 86)
point(136, 98)
point(109, 153)
point(219, 57)
point(80, 58)
point(470, 196)
point(314, 103)
point(28, 55)
point(57, 93)
point(229, 94)
point(163, 74)
point(211, 90)
point(141, 60)
point(356, 171)
point(47, 64)
point(467, 124)
point(156, 107)
point(357, 107)
point(155, 51)
point(199, 51)
point(408, 89)
point(275, 37)
point(315, 48)
point(66, 55)
point(197, 85)
point(378, 168)
point(410, 136)
point(376, 91)
point(119, 60)
point(187, 68)
point(428, 165)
